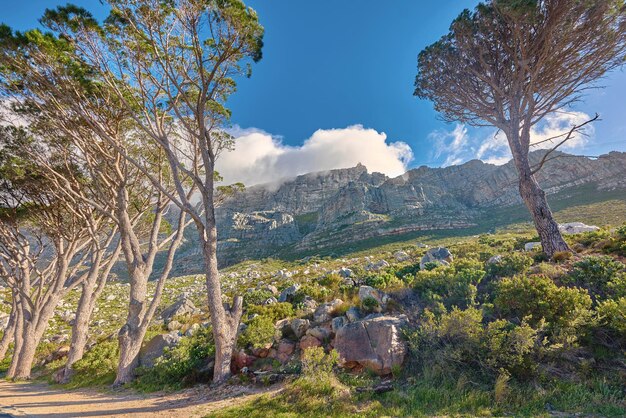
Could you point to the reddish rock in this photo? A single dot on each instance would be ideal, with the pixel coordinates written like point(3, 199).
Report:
point(309, 341)
point(241, 360)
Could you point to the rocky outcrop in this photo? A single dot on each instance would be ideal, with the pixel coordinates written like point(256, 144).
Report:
point(156, 347)
point(375, 344)
point(439, 255)
point(337, 207)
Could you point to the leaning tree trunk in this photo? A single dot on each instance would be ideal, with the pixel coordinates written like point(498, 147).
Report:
point(535, 200)
point(224, 319)
point(80, 330)
point(18, 335)
point(9, 331)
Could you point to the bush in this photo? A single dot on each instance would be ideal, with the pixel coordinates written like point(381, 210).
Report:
point(256, 297)
point(453, 286)
point(183, 365)
point(458, 341)
point(611, 316)
point(332, 281)
point(602, 276)
point(259, 332)
point(317, 365)
point(538, 298)
point(509, 265)
point(317, 292)
point(97, 367)
point(275, 311)
point(382, 280)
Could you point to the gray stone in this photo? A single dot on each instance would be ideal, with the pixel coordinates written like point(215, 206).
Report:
point(299, 327)
point(182, 307)
point(156, 347)
point(353, 314)
point(338, 323)
point(531, 246)
point(401, 256)
point(366, 292)
point(577, 228)
point(319, 332)
point(288, 293)
point(495, 259)
point(380, 265)
point(324, 312)
point(345, 272)
point(438, 255)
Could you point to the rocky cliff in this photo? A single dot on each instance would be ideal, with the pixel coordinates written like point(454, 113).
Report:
point(332, 208)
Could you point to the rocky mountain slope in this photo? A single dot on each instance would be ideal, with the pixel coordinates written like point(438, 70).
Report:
point(327, 209)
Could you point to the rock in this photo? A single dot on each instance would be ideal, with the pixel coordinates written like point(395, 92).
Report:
point(401, 256)
point(299, 326)
point(156, 347)
point(60, 353)
point(283, 274)
point(353, 314)
point(375, 344)
point(345, 272)
point(309, 341)
point(270, 301)
point(272, 289)
point(284, 350)
point(309, 304)
point(110, 298)
point(320, 333)
point(288, 293)
point(324, 312)
point(496, 259)
point(182, 307)
point(382, 264)
point(192, 330)
point(421, 245)
point(338, 323)
point(284, 326)
point(241, 360)
point(174, 325)
point(576, 228)
point(531, 246)
point(366, 292)
point(439, 255)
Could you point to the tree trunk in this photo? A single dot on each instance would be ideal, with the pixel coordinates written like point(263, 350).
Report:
point(9, 332)
point(130, 339)
point(18, 340)
point(26, 355)
point(80, 331)
point(535, 200)
point(225, 320)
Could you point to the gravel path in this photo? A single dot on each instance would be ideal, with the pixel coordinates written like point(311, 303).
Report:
point(40, 400)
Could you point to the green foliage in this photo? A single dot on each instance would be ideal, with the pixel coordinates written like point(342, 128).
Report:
point(370, 304)
point(602, 276)
point(260, 331)
point(97, 367)
point(537, 298)
point(331, 281)
point(453, 285)
point(611, 316)
point(382, 280)
point(274, 311)
point(317, 292)
point(459, 341)
point(183, 365)
point(509, 265)
point(317, 365)
point(256, 297)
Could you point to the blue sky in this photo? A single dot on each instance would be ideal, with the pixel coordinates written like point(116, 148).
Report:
point(331, 64)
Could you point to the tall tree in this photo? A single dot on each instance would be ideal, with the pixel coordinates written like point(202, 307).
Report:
point(74, 116)
point(510, 63)
point(172, 64)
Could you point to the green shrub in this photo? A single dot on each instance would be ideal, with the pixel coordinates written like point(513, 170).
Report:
point(602, 276)
point(260, 331)
point(256, 297)
point(611, 315)
point(382, 280)
point(274, 311)
point(370, 304)
point(453, 285)
point(317, 365)
point(183, 365)
point(331, 281)
point(538, 298)
point(459, 341)
point(509, 265)
point(97, 367)
point(317, 292)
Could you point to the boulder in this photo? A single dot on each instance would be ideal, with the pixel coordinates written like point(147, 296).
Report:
point(345, 272)
point(382, 264)
point(401, 256)
point(439, 255)
point(324, 312)
point(367, 292)
point(375, 344)
point(284, 350)
point(182, 307)
point(299, 327)
point(309, 341)
point(576, 228)
point(270, 301)
point(156, 347)
point(338, 323)
point(288, 293)
point(495, 259)
point(353, 314)
point(320, 333)
point(530, 246)
point(174, 325)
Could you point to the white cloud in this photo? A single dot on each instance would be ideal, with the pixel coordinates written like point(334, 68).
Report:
point(459, 146)
point(259, 157)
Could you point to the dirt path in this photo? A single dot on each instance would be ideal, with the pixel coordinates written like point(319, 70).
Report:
point(40, 400)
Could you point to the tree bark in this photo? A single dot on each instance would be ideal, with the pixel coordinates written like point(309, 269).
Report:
point(130, 339)
point(9, 331)
point(224, 319)
point(535, 200)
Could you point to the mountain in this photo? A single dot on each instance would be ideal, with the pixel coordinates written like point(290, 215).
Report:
point(334, 208)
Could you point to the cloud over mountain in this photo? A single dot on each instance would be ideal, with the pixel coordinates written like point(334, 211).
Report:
point(259, 157)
